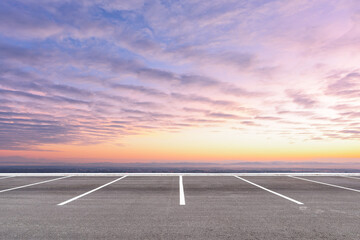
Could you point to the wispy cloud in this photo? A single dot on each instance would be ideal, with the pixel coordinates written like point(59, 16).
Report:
point(85, 72)
point(302, 99)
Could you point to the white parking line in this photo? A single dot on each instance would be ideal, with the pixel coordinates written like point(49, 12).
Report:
point(350, 177)
point(28, 185)
point(84, 194)
point(181, 189)
point(7, 177)
point(278, 194)
point(327, 184)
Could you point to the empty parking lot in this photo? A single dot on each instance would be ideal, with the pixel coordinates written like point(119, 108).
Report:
point(180, 206)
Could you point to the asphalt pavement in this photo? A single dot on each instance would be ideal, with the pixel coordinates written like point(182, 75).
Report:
point(149, 207)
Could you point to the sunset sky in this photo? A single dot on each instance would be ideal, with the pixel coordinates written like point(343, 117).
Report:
point(180, 81)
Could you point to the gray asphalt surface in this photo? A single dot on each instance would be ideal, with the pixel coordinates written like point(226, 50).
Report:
point(148, 208)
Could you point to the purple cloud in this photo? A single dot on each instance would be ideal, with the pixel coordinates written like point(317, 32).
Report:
point(80, 72)
point(302, 99)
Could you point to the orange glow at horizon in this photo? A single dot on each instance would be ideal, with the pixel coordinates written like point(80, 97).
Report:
point(210, 147)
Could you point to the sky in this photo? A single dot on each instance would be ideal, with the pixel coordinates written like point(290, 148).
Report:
point(180, 81)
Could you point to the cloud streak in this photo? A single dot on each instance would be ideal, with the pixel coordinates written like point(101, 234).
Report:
point(80, 72)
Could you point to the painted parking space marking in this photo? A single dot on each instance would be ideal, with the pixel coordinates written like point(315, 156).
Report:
point(6, 177)
point(181, 191)
point(278, 194)
point(351, 177)
point(327, 184)
point(32, 184)
point(91, 191)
